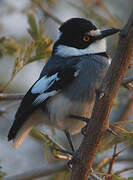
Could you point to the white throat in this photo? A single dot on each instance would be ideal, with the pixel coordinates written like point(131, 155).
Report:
point(96, 47)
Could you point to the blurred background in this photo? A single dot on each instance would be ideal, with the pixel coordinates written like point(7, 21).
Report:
point(27, 31)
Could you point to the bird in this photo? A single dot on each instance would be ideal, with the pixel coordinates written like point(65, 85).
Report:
point(68, 83)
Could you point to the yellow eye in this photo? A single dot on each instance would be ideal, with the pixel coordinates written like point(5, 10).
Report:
point(86, 38)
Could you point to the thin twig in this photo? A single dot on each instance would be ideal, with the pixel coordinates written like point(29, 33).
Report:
point(123, 170)
point(6, 96)
point(106, 160)
point(128, 159)
point(94, 176)
point(112, 160)
point(58, 147)
point(103, 162)
point(47, 136)
point(7, 107)
point(46, 11)
point(109, 15)
point(38, 172)
point(125, 114)
point(129, 86)
point(127, 82)
point(125, 148)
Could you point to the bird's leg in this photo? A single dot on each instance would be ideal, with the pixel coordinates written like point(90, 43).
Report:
point(84, 119)
point(72, 153)
point(69, 140)
point(83, 130)
point(80, 118)
point(72, 148)
point(70, 143)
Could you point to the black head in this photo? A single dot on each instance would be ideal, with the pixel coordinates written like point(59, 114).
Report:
point(80, 33)
point(77, 26)
point(73, 32)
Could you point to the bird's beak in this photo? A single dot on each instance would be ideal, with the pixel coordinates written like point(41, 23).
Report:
point(107, 32)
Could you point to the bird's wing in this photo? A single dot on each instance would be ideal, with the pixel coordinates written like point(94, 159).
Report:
point(49, 85)
point(51, 81)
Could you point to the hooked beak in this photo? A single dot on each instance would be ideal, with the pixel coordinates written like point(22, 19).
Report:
point(107, 32)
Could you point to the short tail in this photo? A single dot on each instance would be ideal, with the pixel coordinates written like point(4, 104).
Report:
point(18, 135)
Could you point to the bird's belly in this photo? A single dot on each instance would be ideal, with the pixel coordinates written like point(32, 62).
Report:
point(60, 108)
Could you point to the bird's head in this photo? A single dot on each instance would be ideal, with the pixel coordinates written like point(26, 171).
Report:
point(79, 36)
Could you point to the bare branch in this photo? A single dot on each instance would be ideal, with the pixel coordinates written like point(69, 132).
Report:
point(47, 136)
point(125, 148)
point(112, 160)
point(127, 80)
point(127, 83)
point(7, 107)
point(5, 96)
point(46, 11)
point(38, 172)
point(127, 110)
point(107, 159)
point(103, 162)
point(94, 176)
point(123, 170)
point(99, 121)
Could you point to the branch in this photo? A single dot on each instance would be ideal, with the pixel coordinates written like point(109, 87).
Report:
point(38, 172)
point(106, 160)
point(4, 96)
point(127, 83)
point(99, 121)
point(46, 12)
point(112, 160)
point(7, 107)
point(127, 80)
point(127, 110)
point(123, 170)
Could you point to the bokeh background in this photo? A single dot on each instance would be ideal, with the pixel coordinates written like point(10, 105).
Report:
point(17, 74)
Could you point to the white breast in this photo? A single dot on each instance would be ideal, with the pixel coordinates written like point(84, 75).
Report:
point(60, 108)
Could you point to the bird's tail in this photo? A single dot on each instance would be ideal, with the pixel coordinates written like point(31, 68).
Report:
point(22, 133)
point(18, 136)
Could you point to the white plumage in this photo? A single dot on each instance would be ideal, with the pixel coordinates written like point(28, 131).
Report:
point(96, 47)
point(44, 83)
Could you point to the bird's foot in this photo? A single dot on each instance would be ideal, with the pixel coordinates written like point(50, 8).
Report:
point(73, 156)
point(83, 131)
point(84, 119)
point(75, 159)
point(64, 151)
point(81, 118)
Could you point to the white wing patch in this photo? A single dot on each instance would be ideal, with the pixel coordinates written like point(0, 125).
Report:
point(43, 96)
point(44, 83)
point(41, 86)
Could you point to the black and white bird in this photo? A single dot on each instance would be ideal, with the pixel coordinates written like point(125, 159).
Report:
point(68, 82)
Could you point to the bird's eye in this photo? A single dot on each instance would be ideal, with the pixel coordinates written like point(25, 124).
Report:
point(86, 38)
